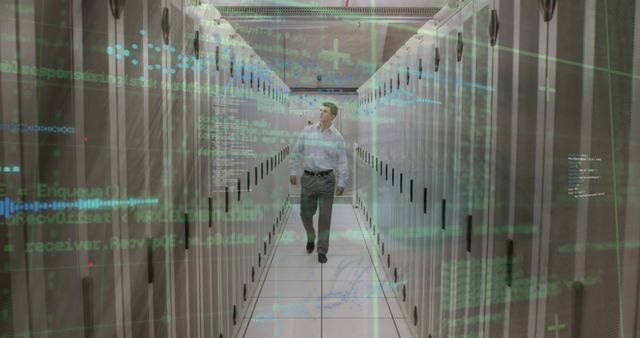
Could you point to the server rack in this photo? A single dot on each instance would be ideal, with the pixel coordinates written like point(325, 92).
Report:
point(142, 93)
point(512, 105)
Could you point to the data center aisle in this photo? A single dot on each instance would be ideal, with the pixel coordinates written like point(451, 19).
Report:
point(346, 297)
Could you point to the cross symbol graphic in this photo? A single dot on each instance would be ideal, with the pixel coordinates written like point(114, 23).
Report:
point(556, 327)
point(334, 55)
point(548, 90)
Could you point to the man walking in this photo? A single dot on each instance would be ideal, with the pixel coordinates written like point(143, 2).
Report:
point(323, 152)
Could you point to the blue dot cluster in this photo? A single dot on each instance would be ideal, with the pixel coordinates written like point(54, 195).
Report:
point(120, 52)
point(187, 62)
point(10, 169)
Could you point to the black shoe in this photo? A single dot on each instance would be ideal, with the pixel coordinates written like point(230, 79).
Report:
point(310, 247)
point(322, 258)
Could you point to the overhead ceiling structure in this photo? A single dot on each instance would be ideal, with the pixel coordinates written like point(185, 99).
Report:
point(329, 44)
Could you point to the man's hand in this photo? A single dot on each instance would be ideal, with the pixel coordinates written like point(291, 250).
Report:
point(339, 191)
point(293, 180)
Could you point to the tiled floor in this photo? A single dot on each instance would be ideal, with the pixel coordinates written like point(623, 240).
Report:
point(300, 297)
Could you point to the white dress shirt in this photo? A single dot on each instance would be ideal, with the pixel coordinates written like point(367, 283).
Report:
point(321, 151)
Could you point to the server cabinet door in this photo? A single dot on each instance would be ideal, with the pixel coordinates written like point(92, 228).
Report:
point(630, 278)
point(135, 124)
point(438, 244)
point(216, 178)
point(39, 137)
point(448, 206)
point(100, 127)
point(12, 237)
point(587, 163)
point(471, 137)
point(176, 159)
point(191, 94)
point(476, 218)
point(224, 118)
point(408, 291)
point(516, 269)
point(393, 215)
point(207, 212)
point(408, 99)
point(202, 52)
point(234, 107)
point(504, 145)
point(158, 217)
point(244, 215)
point(396, 215)
point(424, 192)
point(163, 240)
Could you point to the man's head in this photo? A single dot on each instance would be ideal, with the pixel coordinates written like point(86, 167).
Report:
point(328, 112)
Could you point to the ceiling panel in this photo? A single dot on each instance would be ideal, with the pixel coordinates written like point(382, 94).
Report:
point(293, 3)
point(342, 54)
point(400, 3)
point(313, 50)
point(332, 3)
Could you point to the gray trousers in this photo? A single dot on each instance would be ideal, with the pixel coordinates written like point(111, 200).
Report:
point(317, 191)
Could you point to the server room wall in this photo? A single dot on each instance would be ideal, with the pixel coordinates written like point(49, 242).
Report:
point(501, 180)
point(143, 179)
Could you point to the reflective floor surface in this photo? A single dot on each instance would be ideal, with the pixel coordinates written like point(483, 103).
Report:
point(349, 296)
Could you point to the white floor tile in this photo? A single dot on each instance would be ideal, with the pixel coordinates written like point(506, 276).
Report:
point(359, 328)
point(347, 261)
point(355, 308)
point(284, 328)
point(292, 246)
point(353, 303)
point(346, 235)
point(291, 237)
point(391, 289)
point(292, 274)
point(344, 250)
point(299, 261)
point(284, 289)
point(351, 289)
point(354, 242)
point(294, 251)
point(403, 328)
point(269, 308)
point(297, 230)
point(353, 273)
point(345, 223)
point(394, 305)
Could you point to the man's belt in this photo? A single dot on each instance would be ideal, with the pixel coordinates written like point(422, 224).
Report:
point(318, 173)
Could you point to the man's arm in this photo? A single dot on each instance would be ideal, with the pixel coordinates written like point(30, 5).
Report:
point(296, 154)
point(343, 168)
